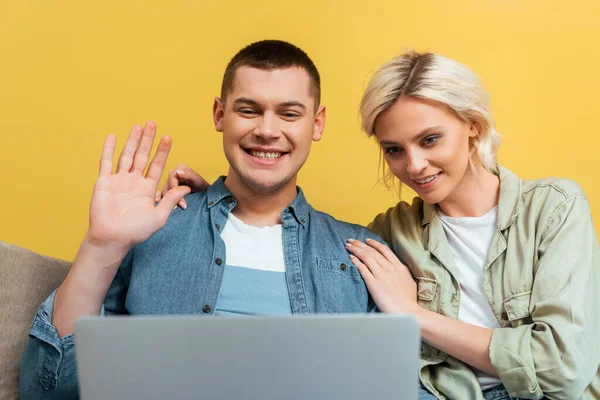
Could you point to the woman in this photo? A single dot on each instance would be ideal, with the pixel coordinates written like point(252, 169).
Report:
point(501, 271)
point(505, 269)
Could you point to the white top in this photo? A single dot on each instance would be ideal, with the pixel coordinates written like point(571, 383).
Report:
point(469, 239)
point(254, 279)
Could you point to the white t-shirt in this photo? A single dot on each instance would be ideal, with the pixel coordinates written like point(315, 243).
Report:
point(469, 239)
point(254, 272)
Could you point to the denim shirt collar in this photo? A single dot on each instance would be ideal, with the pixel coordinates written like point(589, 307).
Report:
point(299, 208)
point(509, 203)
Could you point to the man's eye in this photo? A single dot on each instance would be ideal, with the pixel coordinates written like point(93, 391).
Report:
point(429, 140)
point(247, 111)
point(290, 115)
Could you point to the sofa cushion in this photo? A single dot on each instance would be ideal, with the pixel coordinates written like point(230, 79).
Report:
point(26, 279)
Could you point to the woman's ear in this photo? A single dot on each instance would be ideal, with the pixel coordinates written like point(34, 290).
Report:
point(475, 129)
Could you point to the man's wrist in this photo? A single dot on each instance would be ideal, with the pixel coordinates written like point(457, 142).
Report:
point(96, 263)
point(104, 247)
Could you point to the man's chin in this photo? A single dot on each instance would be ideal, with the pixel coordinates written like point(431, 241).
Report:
point(265, 186)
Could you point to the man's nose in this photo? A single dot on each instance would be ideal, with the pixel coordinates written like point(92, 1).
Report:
point(267, 126)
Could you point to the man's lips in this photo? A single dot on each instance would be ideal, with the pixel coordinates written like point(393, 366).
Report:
point(268, 154)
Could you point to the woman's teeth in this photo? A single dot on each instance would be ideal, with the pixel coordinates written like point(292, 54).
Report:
point(262, 154)
point(422, 181)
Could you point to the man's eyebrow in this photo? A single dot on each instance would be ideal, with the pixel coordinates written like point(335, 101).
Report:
point(254, 103)
point(293, 104)
point(245, 100)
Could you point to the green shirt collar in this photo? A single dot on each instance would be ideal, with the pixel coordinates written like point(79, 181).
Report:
point(511, 188)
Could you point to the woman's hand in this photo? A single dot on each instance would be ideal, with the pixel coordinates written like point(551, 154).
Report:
point(182, 175)
point(389, 281)
point(395, 291)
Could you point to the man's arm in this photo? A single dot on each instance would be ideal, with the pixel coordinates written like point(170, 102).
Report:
point(122, 214)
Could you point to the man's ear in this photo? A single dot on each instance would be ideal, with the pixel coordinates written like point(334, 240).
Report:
point(320, 118)
point(218, 114)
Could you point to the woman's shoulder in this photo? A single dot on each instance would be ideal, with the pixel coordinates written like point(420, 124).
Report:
point(559, 188)
point(404, 217)
point(545, 200)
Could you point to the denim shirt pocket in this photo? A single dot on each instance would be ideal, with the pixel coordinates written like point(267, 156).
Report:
point(341, 288)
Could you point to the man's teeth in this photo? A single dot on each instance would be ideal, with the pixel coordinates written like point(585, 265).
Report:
point(422, 181)
point(262, 154)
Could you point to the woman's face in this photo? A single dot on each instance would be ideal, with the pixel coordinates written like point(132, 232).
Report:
point(426, 146)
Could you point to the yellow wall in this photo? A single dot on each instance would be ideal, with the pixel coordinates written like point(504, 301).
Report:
point(73, 71)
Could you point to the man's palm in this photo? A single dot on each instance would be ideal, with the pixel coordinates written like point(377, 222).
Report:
point(122, 210)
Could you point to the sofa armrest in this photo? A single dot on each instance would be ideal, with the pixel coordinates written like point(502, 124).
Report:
point(26, 279)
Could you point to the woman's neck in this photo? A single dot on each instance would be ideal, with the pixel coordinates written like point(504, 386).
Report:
point(474, 196)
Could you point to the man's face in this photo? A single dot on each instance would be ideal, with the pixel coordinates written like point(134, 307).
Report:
point(268, 122)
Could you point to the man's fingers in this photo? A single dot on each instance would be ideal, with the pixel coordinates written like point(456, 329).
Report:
point(142, 154)
point(126, 157)
point(159, 161)
point(108, 150)
point(170, 200)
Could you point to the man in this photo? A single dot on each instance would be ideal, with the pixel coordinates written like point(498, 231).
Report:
point(250, 244)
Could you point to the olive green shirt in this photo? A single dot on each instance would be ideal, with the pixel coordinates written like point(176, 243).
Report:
point(541, 279)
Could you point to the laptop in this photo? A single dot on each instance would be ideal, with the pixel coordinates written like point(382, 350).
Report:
point(317, 357)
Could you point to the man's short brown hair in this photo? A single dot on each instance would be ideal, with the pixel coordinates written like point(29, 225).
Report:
point(268, 55)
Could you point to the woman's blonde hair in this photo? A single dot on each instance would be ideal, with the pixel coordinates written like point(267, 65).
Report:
point(436, 78)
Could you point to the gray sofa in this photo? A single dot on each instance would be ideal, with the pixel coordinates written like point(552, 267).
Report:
point(26, 279)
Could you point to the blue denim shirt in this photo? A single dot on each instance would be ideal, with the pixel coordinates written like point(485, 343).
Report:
point(178, 270)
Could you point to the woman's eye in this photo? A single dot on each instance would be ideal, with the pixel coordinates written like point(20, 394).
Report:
point(431, 140)
point(393, 150)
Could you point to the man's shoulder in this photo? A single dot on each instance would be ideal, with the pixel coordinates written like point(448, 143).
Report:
point(196, 203)
point(346, 230)
point(183, 226)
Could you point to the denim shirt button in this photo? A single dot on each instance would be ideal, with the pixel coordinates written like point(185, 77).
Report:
point(206, 309)
point(211, 203)
point(343, 267)
point(218, 227)
point(504, 316)
point(229, 200)
point(219, 261)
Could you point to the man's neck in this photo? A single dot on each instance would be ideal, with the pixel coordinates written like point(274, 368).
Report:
point(257, 208)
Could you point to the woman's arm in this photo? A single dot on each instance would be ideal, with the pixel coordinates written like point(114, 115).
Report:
point(556, 355)
point(559, 352)
point(394, 290)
